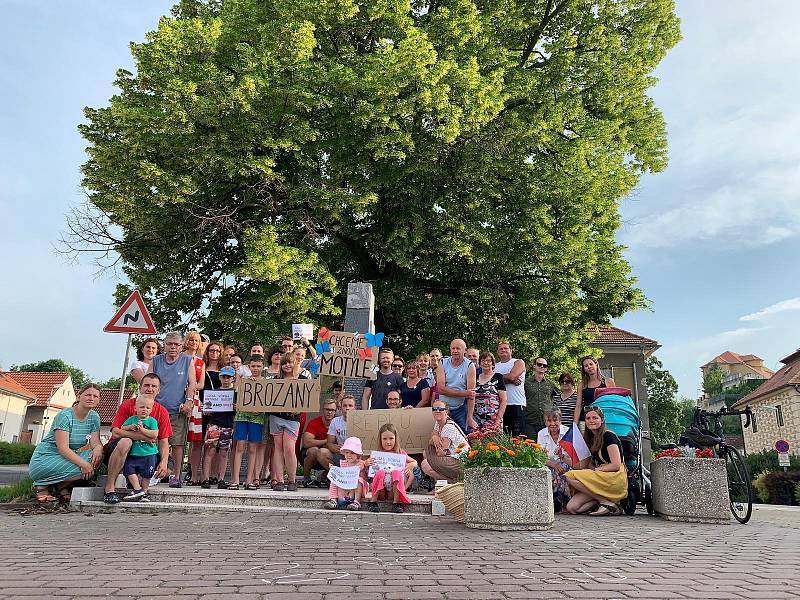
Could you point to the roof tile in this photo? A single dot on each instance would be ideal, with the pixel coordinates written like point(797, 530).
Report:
point(11, 385)
point(41, 384)
point(786, 376)
point(108, 405)
point(608, 334)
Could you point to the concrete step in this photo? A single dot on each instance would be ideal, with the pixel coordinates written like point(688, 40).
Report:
point(195, 498)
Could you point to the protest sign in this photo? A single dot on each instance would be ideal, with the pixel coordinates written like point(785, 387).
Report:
point(217, 401)
point(398, 461)
point(346, 343)
point(302, 330)
point(346, 478)
point(339, 365)
point(414, 426)
point(278, 395)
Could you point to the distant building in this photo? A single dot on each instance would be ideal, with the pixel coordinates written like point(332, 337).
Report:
point(737, 369)
point(49, 393)
point(776, 408)
point(107, 408)
point(14, 399)
point(623, 359)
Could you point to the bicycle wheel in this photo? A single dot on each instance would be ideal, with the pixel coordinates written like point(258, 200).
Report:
point(740, 488)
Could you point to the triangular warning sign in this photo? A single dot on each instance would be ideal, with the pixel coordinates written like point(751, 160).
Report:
point(132, 317)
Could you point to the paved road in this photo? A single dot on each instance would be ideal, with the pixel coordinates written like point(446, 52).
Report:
point(12, 473)
point(332, 556)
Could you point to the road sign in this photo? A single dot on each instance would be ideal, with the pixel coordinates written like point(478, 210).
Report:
point(783, 459)
point(132, 317)
point(782, 446)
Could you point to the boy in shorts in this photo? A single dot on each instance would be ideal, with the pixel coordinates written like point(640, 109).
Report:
point(141, 461)
point(248, 431)
point(219, 435)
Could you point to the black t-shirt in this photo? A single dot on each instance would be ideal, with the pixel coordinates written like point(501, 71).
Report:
point(381, 387)
point(609, 439)
point(412, 396)
point(223, 419)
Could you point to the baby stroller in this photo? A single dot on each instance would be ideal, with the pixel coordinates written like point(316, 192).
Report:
point(623, 419)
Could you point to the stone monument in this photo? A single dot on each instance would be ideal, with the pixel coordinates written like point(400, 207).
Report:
point(359, 317)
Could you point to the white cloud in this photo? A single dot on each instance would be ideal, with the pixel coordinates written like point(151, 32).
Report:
point(778, 307)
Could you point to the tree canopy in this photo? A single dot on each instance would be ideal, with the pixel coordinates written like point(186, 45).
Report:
point(669, 416)
point(466, 157)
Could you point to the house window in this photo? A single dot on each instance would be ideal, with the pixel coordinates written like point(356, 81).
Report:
point(779, 415)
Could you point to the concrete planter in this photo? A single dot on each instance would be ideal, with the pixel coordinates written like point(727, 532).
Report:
point(691, 489)
point(505, 498)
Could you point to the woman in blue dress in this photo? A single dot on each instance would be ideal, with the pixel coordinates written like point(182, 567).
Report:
point(70, 451)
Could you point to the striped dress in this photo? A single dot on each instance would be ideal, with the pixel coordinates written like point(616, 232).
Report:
point(47, 466)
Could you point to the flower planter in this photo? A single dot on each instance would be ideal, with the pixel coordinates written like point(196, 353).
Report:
point(691, 489)
point(505, 498)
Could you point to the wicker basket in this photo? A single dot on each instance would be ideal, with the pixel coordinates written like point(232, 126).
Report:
point(452, 496)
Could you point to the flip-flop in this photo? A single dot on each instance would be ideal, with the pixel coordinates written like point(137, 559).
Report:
point(605, 510)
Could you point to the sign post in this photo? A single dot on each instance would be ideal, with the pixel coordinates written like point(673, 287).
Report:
point(131, 318)
point(782, 447)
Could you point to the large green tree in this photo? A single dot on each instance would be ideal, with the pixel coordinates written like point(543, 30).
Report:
point(466, 157)
point(669, 416)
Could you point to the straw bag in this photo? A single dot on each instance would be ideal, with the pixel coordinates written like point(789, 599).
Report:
point(452, 496)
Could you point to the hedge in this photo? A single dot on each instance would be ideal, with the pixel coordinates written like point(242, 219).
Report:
point(15, 454)
point(781, 485)
point(767, 460)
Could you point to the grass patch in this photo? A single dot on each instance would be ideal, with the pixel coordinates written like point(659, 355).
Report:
point(21, 489)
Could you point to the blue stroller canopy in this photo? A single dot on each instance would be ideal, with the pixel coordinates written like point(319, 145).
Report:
point(620, 413)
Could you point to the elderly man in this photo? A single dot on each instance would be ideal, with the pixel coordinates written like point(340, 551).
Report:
point(513, 372)
point(116, 450)
point(178, 385)
point(457, 389)
point(315, 441)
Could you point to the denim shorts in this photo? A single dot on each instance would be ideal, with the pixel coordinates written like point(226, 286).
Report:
point(248, 432)
point(279, 425)
point(143, 466)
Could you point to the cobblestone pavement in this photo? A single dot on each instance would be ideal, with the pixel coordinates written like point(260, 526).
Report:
point(331, 556)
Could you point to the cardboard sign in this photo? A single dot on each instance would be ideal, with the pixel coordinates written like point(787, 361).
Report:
point(414, 427)
point(398, 461)
point(340, 365)
point(346, 343)
point(277, 395)
point(218, 401)
point(302, 330)
point(345, 478)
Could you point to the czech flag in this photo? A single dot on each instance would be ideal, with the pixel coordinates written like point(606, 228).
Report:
point(574, 445)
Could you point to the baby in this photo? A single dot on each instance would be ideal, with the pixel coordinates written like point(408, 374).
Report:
point(141, 461)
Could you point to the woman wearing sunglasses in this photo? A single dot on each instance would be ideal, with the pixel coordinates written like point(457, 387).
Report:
point(446, 446)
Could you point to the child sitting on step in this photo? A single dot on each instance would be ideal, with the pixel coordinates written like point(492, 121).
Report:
point(390, 483)
point(351, 499)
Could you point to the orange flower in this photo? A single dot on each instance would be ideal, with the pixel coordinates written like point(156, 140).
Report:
point(472, 454)
point(460, 446)
point(515, 440)
point(491, 447)
point(511, 453)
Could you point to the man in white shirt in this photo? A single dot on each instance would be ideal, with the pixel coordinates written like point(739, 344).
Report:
point(513, 372)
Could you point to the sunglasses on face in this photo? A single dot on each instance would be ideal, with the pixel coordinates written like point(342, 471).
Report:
point(397, 366)
point(543, 365)
point(439, 409)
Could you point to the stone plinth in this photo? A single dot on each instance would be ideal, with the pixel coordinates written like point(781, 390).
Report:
point(504, 498)
point(359, 317)
point(691, 489)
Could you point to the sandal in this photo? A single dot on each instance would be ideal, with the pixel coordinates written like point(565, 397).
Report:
point(206, 485)
point(397, 508)
point(43, 496)
point(232, 486)
point(291, 486)
point(277, 486)
point(331, 504)
point(250, 486)
point(354, 505)
point(373, 507)
point(606, 510)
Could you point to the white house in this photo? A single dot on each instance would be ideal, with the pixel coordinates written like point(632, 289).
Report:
point(14, 399)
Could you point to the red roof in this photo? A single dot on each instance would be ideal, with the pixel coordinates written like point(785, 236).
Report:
point(109, 402)
point(787, 376)
point(608, 334)
point(10, 385)
point(732, 358)
point(41, 384)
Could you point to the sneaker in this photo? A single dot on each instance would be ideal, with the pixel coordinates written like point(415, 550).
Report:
point(222, 485)
point(398, 508)
point(206, 485)
point(133, 496)
point(373, 507)
point(175, 482)
point(111, 498)
point(144, 499)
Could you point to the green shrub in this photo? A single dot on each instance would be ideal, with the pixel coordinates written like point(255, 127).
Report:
point(21, 489)
point(767, 460)
point(15, 454)
point(797, 494)
point(780, 486)
point(761, 488)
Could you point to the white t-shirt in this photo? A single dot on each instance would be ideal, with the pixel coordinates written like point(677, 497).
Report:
point(515, 394)
point(545, 439)
point(338, 427)
point(139, 364)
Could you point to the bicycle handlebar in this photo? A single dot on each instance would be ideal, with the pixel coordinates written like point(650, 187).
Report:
point(724, 412)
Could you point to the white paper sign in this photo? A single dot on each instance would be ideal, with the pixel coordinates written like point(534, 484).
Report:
point(783, 459)
point(398, 461)
point(345, 478)
point(218, 401)
point(302, 330)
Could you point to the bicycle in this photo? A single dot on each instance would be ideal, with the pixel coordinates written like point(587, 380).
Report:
point(740, 488)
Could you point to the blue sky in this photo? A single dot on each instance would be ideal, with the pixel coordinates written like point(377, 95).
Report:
point(711, 239)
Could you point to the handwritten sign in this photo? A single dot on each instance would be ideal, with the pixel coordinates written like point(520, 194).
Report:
point(398, 461)
point(414, 426)
point(278, 395)
point(341, 365)
point(218, 401)
point(345, 478)
point(302, 330)
point(346, 343)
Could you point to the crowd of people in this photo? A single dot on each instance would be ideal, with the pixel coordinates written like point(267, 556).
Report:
point(472, 394)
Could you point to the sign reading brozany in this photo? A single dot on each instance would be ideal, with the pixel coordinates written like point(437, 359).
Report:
point(278, 395)
point(349, 356)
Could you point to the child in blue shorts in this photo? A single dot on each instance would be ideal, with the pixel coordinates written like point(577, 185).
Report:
point(248, 431)
point(141, 461)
